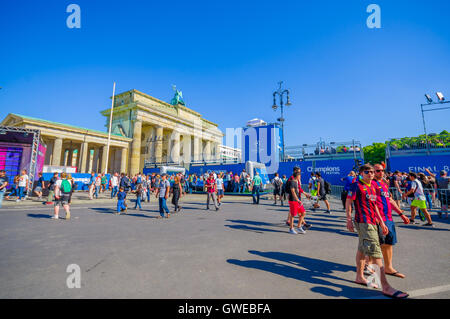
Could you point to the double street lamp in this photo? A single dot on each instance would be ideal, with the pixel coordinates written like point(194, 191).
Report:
point(281, 93)
point(441, 100)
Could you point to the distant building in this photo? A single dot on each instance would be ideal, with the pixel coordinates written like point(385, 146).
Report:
point(227, 153)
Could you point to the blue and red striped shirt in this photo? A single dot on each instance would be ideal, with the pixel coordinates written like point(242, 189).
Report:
point(364, 197)
point(383, 203)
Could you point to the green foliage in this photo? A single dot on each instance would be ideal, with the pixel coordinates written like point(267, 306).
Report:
point(375, 153)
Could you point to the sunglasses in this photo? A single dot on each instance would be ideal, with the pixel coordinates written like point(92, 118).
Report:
point(368, 172)
point(379, 170)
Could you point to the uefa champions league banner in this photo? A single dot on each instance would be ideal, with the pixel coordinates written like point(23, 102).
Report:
point(81, 179)
point(331, 170)
point(418, 164)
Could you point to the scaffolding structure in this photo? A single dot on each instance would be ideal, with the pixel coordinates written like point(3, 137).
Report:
point(34, 150)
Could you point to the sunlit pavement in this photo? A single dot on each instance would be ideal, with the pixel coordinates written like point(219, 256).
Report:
point(241, 251)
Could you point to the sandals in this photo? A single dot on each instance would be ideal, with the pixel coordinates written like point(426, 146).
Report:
point(395, 274)
point(396, 295)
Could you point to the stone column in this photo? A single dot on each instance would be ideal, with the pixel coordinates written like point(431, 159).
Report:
point(123, 161)
point(135, 156)
point(104, 165)
point(83, 157)
point(159, 144)
point(91, 161)
point(207, 150)
point(187, 148)
point(95, 165)
point(57, 148)
point(175, 151)
point(197, 148)
point(74, 157)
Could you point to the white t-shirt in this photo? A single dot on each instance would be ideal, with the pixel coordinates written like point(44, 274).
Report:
point(114, 181)
point(219, 182)
point(58, 187)
point(23, 181)
point(162, 188)
point(418, 193)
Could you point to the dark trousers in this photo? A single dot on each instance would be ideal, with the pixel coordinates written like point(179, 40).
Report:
point(255, 198)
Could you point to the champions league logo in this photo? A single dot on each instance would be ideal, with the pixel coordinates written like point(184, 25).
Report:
point(330, 170)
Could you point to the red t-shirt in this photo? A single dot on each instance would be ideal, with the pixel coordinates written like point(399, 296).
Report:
point(211, 185)
point(365, 198)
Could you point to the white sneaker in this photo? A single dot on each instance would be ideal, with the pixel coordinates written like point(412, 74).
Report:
point(292, 231)
point(55, 217)
point(301, 230)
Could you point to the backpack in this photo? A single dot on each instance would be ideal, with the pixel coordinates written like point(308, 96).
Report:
point(327, 187)
point(66, 187)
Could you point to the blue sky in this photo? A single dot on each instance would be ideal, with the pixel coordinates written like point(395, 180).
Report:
point(346, 80)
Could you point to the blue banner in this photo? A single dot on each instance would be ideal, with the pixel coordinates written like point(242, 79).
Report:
point(81, 179)
point(418, 164)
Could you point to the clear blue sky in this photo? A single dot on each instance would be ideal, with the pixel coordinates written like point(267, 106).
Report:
point(347, 81)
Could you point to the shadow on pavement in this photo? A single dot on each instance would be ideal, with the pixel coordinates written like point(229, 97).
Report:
point(254, 229)
point(310, 270)
point(314, 227)
point(423, 227)
point(39, 215)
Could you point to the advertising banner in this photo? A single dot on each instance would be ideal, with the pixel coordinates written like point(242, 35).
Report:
point(418, 164)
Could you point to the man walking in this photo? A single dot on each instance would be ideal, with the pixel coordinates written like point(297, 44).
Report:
point(91, 186)
point(277, 185)
point(295, 204)
point(321, 192)
point(256, 186)
point(211, 189)
point(162, 193)
point(62, 194)
point(385, 205)
point(419, 199)
point(363, 195)
point(51, 188)
point(23, 186)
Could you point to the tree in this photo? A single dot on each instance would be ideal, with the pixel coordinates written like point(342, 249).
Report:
point(375, 153)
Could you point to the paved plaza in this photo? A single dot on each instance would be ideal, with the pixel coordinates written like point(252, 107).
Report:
point(241, 251)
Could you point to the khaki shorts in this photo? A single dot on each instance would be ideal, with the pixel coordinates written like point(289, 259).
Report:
point(369, 243)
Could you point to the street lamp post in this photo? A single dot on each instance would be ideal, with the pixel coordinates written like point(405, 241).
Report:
point(441, 100)
point(280, 92)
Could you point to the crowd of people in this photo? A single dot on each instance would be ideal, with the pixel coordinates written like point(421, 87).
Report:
point(371, 193)
point(416, 190)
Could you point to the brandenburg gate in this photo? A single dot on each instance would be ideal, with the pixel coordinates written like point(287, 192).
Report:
point(145, 130)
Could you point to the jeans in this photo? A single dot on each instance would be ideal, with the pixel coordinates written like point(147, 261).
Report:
point(148, 195)
point(138, 202)
point(163, 206)
point(242, 186)
point(97, 190)
point(255, 198)
point(14, 191)
point(21, 192)
point(2, 193)
point(114, 191)
point(236, 188)
point(429, 200)
point(214, 199)
point(120, 205)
